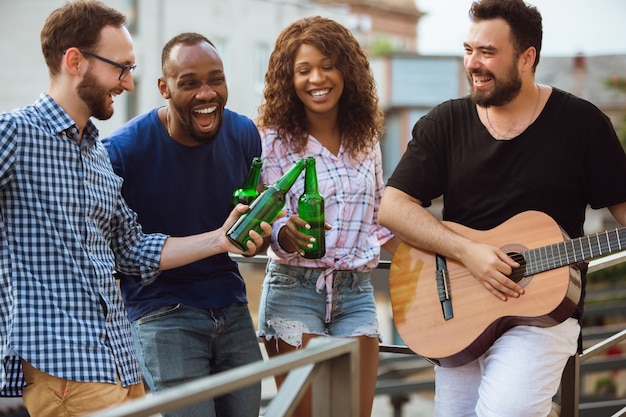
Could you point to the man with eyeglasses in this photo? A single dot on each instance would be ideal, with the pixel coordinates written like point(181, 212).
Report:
point(124, 69)
point(64, 228)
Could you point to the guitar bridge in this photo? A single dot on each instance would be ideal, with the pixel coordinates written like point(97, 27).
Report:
point(443, 287)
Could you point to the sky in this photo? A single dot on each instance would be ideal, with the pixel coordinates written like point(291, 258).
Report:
point(570, 27)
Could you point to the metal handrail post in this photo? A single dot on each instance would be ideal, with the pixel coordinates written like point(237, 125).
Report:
point(570, 387)
point(336, 388)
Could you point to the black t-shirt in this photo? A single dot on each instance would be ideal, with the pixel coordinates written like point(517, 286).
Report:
point(570, 157)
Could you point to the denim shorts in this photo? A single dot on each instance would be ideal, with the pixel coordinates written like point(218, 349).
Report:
point(291, 306)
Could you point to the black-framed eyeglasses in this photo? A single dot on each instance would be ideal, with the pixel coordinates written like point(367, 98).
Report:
point(124, 69)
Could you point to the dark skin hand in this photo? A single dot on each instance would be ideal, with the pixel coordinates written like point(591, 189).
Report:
point(266, 236)
point(291, 239)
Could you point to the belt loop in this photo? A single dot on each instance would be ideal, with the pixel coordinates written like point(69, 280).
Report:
point(307, 274)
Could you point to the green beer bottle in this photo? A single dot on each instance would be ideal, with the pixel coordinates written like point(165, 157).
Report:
point(265, 208)
point(248, 191)
point(311, 210)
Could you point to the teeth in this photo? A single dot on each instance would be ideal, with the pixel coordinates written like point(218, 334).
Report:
point(207, 110)
point(320, 93)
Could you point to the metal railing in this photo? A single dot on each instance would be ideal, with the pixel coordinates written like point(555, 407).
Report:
point(570, 381)
point(330, 366)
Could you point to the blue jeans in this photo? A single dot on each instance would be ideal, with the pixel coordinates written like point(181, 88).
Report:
point(179, 343)
point(291, 306)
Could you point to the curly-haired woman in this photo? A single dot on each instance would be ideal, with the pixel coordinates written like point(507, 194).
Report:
point(320, 100)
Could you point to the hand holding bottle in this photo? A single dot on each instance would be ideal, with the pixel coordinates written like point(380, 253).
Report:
point(256, 240)
point(179, 251)
point(265, 208)
point(291, 239)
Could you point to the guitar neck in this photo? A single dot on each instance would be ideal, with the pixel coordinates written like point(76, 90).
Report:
point(574, 250)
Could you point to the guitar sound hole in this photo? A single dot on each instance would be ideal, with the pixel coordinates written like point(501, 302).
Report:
point(518, 273)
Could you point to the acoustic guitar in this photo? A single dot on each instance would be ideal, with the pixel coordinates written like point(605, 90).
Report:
point(445, 315)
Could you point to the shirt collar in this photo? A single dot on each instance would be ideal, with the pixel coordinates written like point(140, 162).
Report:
point(59, 121)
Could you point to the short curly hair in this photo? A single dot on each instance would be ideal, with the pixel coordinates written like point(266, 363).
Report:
point(361, 121)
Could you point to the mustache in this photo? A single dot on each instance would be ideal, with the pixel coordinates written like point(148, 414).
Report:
point(479, 72)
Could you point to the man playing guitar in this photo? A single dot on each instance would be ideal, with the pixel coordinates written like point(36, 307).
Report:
point(513, 146)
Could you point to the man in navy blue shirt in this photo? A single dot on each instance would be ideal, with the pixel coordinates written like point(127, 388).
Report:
point(180, 164)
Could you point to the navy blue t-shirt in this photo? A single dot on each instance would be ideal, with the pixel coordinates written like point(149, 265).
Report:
point(183, 190)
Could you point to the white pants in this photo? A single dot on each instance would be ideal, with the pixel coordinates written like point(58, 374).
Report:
point(516, 377)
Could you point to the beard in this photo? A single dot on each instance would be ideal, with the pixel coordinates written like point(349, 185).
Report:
point(95, 97)
point(505, 90)
point(198, 137)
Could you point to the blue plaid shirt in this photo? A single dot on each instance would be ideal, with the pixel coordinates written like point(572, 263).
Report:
point(64, 228)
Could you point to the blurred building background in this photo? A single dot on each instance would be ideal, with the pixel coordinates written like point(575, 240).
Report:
point(409, 84)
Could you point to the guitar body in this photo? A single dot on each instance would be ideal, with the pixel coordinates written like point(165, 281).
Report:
point(479, 318)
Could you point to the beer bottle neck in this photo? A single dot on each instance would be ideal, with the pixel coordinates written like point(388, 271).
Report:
point(252, 179)
point(310, 178)
point(289, 178)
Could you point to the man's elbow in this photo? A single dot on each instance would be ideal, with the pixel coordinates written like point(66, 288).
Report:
point(385, 213)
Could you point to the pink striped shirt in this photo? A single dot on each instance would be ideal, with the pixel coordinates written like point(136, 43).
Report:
point(352, 191)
